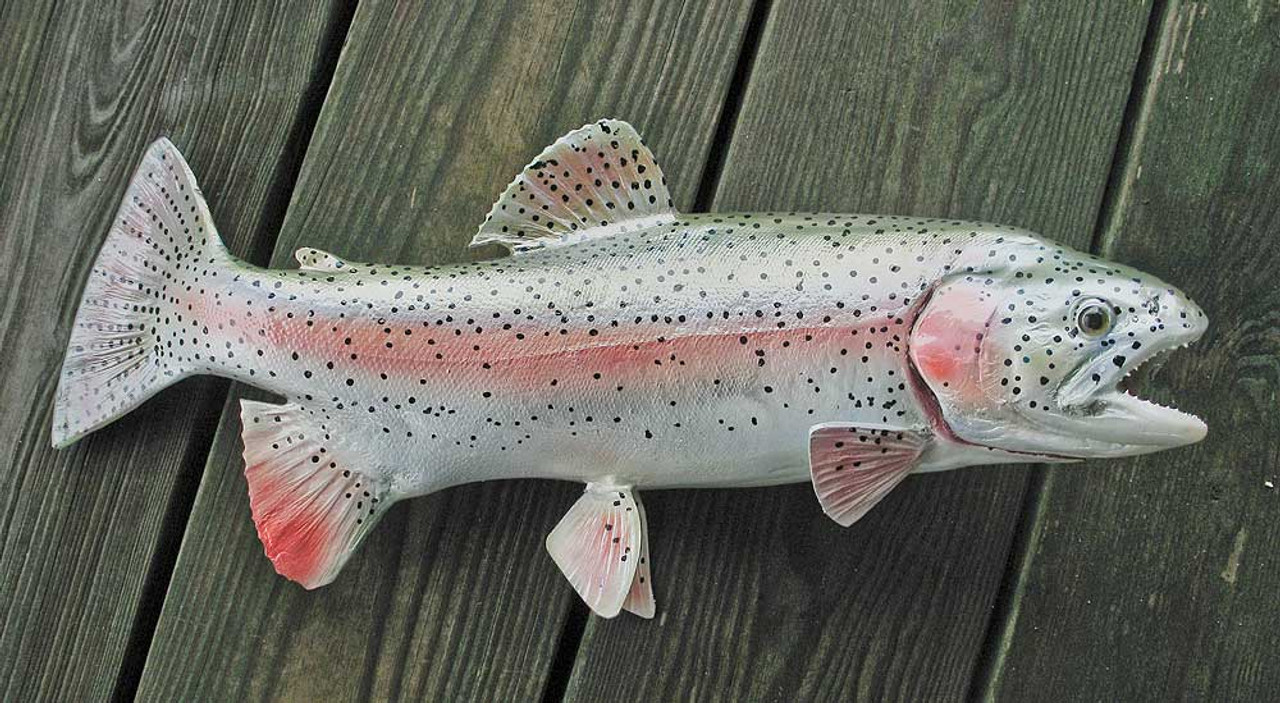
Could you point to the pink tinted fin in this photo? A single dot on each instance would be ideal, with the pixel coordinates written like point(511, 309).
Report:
point(640, 598)
point(853, 467)
point(597, 546)
point(311, 504)
point(596, 181)
point(162, 241)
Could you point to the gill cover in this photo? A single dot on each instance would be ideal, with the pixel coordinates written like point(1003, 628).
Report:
point(946, 345)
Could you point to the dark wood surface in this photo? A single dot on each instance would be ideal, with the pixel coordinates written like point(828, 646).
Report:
point(945, 109)
point(88, 533)
point(130, 563)
point(1159, 574)
point(453, 597)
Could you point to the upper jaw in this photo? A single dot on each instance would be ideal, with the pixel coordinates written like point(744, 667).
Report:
point(1120, 422)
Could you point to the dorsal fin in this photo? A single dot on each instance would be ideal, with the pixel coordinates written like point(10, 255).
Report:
point(316, 260)
point(595, 181)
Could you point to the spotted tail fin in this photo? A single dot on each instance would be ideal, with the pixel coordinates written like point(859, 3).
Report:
point(161, 245)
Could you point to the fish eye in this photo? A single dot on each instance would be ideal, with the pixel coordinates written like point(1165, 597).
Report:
point(1094, 318)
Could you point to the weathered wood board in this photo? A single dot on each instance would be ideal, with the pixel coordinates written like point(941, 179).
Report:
point(1157, 579)
point(84, 89)
point(984, 111)
point(433, 109)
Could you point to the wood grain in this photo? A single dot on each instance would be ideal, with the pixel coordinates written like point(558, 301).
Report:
point(433, 109)
point(981, 111)
point(1156, 579)
point(85, 88)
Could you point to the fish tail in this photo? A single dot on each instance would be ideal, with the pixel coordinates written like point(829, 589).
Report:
point(159, 256)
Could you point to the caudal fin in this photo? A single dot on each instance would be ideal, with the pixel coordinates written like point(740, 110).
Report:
point(162, 243)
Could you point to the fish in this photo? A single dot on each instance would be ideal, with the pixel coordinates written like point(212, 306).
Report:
point(624, 346)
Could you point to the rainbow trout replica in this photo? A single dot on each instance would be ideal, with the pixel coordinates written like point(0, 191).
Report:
point(625, 346)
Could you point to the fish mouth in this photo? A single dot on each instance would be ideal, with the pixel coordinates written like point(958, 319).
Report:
point(1101, 395)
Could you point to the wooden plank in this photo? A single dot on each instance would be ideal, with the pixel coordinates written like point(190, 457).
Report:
point(85, 90)
point(984, 111)
point(1156, 579)
point(434, 108)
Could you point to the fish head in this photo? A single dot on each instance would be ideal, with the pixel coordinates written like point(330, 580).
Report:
point(1026, 349)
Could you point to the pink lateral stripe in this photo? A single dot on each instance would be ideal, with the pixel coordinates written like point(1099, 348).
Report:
point(638, 351)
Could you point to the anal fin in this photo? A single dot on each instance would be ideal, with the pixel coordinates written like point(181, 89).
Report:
point(311, 503)
point(599, 546)
point(853, 467)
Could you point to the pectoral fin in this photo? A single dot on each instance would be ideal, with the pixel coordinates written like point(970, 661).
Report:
point(599, 546)
point(853, 467)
